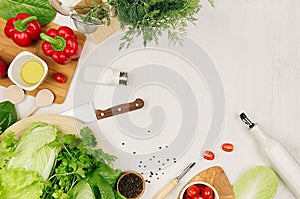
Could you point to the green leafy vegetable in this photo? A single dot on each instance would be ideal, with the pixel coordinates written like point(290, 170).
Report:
point(99, 182)
point(33, 152)
point(89, 141)
point(97, 11)
point(82, 190)
point(257, 183)
point(76, 167)
point(19, 183)
point(39, 8)
point(75, 161)
point(150, 18)
point(8, 145)
point(100, 187)
point(8, 112)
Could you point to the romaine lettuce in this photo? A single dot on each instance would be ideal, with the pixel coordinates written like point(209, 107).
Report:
point(39, 8)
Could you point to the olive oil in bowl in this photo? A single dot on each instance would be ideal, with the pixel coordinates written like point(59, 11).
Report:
point(32, 72)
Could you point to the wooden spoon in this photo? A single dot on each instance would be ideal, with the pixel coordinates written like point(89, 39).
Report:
point(43, 98)
point(14, 94)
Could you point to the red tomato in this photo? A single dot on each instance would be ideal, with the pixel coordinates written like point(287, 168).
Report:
point(208, 155)
point(193, 191)
point(3, 69)
point(198, 197)
point(60, 78)
point(227, 147)
point(207, 193)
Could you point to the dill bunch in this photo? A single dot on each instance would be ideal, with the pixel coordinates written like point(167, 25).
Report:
point(150, 18)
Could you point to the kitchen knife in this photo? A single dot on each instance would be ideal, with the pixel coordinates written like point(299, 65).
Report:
point(87, 112)
point(173, 183)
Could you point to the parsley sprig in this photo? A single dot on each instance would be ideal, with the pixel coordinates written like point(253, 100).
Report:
point(76, 159)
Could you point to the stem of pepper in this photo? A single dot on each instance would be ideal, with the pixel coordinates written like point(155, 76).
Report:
point(21, 25)
point(58, 43)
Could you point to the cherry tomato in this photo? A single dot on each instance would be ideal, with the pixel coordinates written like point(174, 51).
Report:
point(3, 69)
point(207, 193)
point(198, 197)
point(60, 78)
point(208, 155)
point(227, 147)
point(193, 191)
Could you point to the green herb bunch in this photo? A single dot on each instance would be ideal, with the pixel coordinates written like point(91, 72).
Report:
point(150, 18)
point(78, 157)
point(97, 11)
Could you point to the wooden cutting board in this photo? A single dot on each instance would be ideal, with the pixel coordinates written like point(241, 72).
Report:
point(218, 179)
point(8, 50)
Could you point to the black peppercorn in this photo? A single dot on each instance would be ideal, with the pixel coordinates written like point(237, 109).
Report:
point(130, 185)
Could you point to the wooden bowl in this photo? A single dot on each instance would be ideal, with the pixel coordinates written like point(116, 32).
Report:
point(132, 186)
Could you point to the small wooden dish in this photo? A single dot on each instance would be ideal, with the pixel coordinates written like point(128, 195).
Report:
point(216, 177)
point(134, 181)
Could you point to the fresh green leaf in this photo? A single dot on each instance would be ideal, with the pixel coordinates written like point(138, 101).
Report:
point(39, 8)
point(8, 144)
point(19, 183)
point(118, 195)
point(8, 112)
point(89, 141)
point(32, 152)
point(82, 190)
point(99, 185)
point(257, 183)
point(77, 158)
point(108, 174)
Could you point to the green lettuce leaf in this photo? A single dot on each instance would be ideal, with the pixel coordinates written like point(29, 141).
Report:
point(82, 190)
point(39, 8)
point(8, 144)
point(33, 152)
point(19, 183)
point(108, 174)
point(8, 112)
point(257, 183)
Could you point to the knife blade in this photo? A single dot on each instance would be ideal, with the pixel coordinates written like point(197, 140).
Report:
point(87, 113)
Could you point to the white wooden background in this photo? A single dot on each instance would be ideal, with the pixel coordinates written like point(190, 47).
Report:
point(255, 46)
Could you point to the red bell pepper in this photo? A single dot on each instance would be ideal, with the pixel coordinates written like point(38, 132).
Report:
point(61, 44)
point(23, 29)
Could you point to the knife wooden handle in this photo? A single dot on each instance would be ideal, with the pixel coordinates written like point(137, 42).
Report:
point(119, 109)
point(166, 190)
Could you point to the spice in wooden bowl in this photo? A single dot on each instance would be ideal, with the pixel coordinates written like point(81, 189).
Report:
point(131, 185)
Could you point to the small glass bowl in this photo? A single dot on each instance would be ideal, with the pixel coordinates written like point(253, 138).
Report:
point(14, 70)
point(85, 27)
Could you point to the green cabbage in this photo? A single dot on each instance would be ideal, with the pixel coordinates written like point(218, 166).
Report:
point(8, 145)
point(19, 183)
point(33, 152)
point(257, 183)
